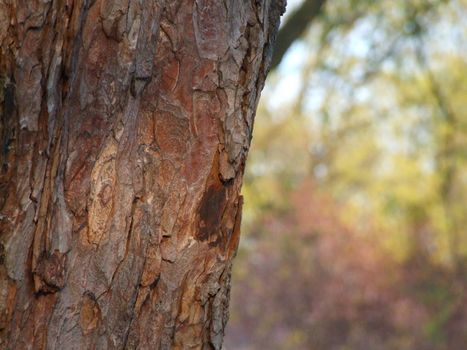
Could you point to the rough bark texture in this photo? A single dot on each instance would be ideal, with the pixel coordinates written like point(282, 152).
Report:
point(124, 131)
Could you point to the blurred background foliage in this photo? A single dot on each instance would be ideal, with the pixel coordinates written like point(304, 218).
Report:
point(355, 216)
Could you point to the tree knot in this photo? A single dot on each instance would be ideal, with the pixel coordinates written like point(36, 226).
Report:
point(49, 274)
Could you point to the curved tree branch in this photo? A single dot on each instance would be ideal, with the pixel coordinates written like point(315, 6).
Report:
point(294, 28)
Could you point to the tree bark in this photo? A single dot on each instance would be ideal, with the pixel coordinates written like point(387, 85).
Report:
point(124, 131)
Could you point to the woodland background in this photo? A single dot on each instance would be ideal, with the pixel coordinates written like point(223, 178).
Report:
point(354, 227)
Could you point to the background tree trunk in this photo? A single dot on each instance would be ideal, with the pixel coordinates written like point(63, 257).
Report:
point(125, 127)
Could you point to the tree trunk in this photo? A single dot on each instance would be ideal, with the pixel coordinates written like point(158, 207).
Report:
point(124, 131)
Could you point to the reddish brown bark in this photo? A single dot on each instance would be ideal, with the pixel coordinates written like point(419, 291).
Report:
point(125, 128)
